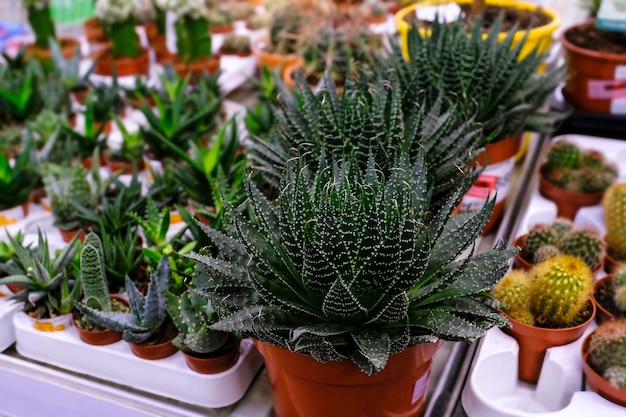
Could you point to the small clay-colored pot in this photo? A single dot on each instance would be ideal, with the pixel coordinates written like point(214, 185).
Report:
point(272, 60)
point(153, 352)
point(567, 202)
point(68, 235)
point(68, 46)
point(611, 264)
point(99, 337)
point(210, 65)
point(117, 164)
point(534, 341)
point(125, 66)
point(598, 384)
point(602, 314)
point(212, 365)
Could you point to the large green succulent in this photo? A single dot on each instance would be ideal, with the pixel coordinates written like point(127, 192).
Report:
point(480, 75)
point(353, 265)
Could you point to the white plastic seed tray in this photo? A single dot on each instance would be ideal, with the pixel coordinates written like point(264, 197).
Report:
point(7, 311)
point(493, 388)
point(169, 377)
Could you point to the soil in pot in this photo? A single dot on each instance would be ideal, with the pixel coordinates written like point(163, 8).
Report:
point(93, 334)
point(592, 38)
point(158, 347)
point(511, 16)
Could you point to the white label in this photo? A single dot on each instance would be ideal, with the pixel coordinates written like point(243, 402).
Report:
point(494, 180)
point(620, 72)
point(420, 387)
point(445, 13)
point(618, 105)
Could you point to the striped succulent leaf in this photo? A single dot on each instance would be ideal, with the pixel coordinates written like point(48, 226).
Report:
point(352, 264)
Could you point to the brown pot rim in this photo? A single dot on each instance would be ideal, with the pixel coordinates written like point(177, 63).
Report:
point(588, 52)
point(154, 352)
point(214, 365)
point(526, 329)
point(99, 337)
point(602, 314)
point(500, 150)
point(105, 66)
point(595, 381)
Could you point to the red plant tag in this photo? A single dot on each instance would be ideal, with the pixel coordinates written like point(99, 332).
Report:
point(484, 186)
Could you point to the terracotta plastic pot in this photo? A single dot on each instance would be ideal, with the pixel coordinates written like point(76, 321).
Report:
point(602, 314)
point(93, 31)
point(271, 60)
point(204, 365)
point(124, 166)
point(598, 384)
point(567, 202)
point(15, 288)
point(153, 352)
point(68, 46)
point(151, 30)
point(534, 341)
point(495, 180)
point(68, 235)
point(598, 80)
point(99, 337)
point(138, 65)
point(303, 387)
point(611, 264)
point(210, 65)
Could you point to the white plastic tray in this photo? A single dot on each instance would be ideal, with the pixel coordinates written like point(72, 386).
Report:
point(7, 310)
point(169, 377)
point(493, 389)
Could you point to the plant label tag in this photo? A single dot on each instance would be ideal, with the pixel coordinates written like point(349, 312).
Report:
point(420, 387)
point(445, 13)
point(612, 15)
point(494, 181)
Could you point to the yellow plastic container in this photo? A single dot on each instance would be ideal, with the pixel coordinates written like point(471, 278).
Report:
point(541, 36)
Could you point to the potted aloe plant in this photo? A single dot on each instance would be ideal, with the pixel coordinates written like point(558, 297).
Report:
point(149, 331)
point(193, 40)
point(128, 157)
point(125, 56)
point(50, 285)
point(42, 24)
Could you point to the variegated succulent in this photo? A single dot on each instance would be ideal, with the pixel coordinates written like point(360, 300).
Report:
point(353, 264)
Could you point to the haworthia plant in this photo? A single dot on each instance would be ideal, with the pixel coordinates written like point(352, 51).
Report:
point(147, 314)
point(353, 265)
point(93, 275)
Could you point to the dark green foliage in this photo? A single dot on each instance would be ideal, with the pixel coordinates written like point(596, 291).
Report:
point(41, 22)
point(20, 177)
point(480, 75)
point(351, 265)
point(124, 39)
point(193, 40)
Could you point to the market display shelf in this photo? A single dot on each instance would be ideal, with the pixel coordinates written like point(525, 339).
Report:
point(168, 377)
point(7, 311)
point(492, 388)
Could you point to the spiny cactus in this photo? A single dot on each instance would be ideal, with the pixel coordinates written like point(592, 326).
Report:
point(561, 291)
point(192, 316)
point(619, 289)
point(562, 225)
point(563, 154)
point(583, 243)
point(614, 203)
point(616, 375)
point(513, 294)
point(607, 346)
point(544, 253)
point(538, 236)
point(583, 171)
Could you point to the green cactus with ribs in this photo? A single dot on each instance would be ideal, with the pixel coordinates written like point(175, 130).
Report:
point(544, 241)
point(619, 289)
point(583, 171)
point(614, 203)
point(607, 351)
point(553, 294)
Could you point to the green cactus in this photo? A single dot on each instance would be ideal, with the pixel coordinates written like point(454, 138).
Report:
point(561, 291)
point(607, 346)
point(592, 180)
point(584, 243)
point(562, 225)
point(513, 295)
point(563, 154)
point(93, 276)
point(616, 375)
point(148, 314)
point(538, 236)
point(561, 177)
point(192, 316)
point(614, 204)
point(619, 289)
point(545, 252)
point(591, 159)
